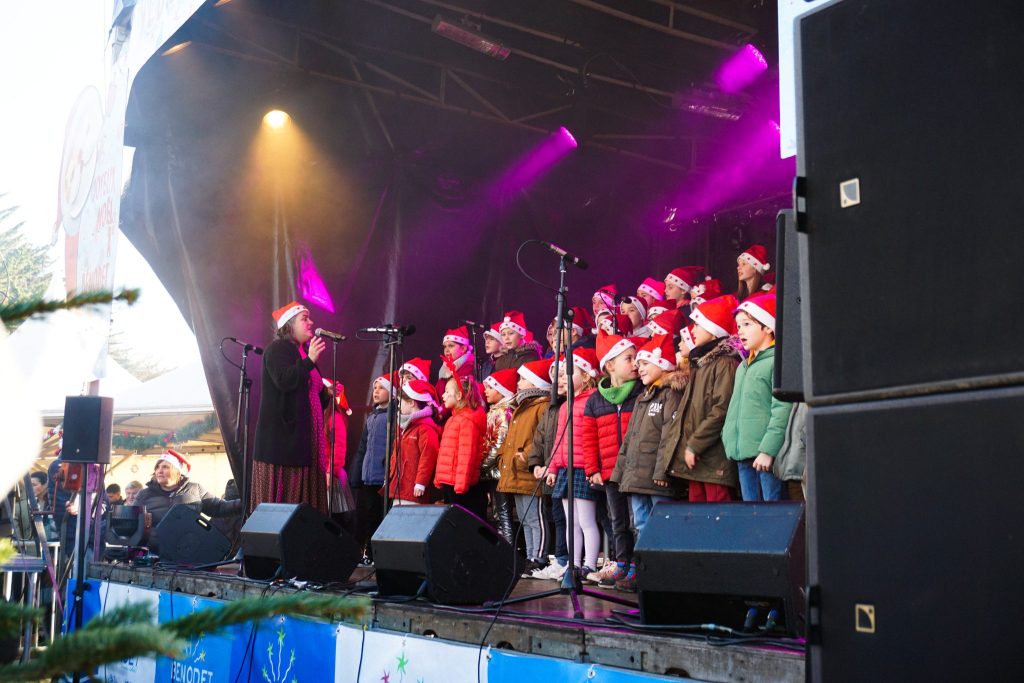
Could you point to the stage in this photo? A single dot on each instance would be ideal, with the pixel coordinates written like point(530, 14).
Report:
point(543, 630)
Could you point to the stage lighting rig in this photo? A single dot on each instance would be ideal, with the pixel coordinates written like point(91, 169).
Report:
point(469, 35)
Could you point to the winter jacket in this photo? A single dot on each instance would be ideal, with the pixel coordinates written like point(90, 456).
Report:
point(524, 353)
point(284, 431)
point(367, 467)
point(583, 440)
point(606, 423)
point(461, 450)
point(528, 411)
point(414, 460)
point(791, 461)
point(158, 502)
point(464, 368)
point(494, 436)
point(756, 421)
point(638, 457)
point(697, 422)
point(545, 435)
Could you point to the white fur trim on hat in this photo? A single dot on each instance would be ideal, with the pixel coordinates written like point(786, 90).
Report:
point(677, 281)
point(518, 329)
point(533, 377)
point(655, 311)
point(583, 365)
point(455, 338)
point(385, 382)
point(414, 371)
point(655, 329)
point(618, 348)
point(656, 358)
point(175, 460)
point(650, 291)
point(289, 314)
point(496, 385)
point(748, 258)
point(493, 334)
point(687, 338)
point(757, 313)
point(416, 396)
point(700, 319)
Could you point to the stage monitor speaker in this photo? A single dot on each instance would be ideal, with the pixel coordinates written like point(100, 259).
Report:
point(297, 541)
point(184, 536)
point(460, 557)
point(916, 549)
point(788, 380)
point(912, 199)
point(88, 426)
point(701, 563)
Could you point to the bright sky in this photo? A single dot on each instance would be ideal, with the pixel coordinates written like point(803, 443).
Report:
point(48, 51)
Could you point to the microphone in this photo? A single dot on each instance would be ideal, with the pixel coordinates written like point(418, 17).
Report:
point(575, 260)
point(246, 346)
point(327, 334)
point(404, 330)
point(470, 323)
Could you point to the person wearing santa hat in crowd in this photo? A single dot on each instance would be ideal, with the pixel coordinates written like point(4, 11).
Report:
point(691, 446)
point(634, 468)
point(499, 390)
point(416, 368)
point(704, 291)
point(577, 333)
point(462, 446)
point(752, 268)
point(457, 348)
point(336, 418)
point(415, 454)
point(531, 401)
point(604, 299)
point(171, 486)
point(366, 470)
point(634, 308)
point(666, 324)
point(290, 436)
point(613, 324)
point(651, 291)
point(678, 285)
point(659, 308)
point(582, 372)
point(605, 422)
point(755, 425)
point(494, 348)
point(520, 347)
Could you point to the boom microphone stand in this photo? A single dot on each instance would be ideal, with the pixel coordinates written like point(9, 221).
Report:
point(332, 489)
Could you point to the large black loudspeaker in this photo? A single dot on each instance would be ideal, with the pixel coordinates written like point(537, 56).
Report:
point(186, 537)
point(460, 557)
point(916, 542)
point(701, 563)
point(788, 380)
point(296, 541)
point(88, 423)
point(911, 154)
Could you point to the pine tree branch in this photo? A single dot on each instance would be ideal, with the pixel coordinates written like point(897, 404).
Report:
point(29, 308)
point(255, 609)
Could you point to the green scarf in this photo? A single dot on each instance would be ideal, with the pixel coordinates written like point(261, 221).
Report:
point(615, 395)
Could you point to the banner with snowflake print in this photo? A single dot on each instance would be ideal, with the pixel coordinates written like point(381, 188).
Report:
point(383, 657)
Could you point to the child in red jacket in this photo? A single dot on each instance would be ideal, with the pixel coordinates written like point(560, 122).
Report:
point(462, 446)
point(414, 458)
point(605, 421)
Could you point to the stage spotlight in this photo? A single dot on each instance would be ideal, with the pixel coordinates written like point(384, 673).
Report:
point(567, 136)
point(176, 48)
point(275, 118)
point(470, 36)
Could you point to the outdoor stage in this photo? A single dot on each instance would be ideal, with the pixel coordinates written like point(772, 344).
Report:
point(536, 638)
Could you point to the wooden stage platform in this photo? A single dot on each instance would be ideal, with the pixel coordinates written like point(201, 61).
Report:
point(542, 627)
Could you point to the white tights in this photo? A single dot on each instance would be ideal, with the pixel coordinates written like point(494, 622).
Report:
point(586, 535)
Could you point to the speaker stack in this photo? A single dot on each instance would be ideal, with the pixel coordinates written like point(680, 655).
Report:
point(908, 197)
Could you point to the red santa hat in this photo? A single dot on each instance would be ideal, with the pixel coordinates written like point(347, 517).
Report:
point(459, 335)
point(666, 323)
point(176, 460)
point(515, 321)
point(494, 332)
point(581, 320)
point(659, 351)
point(640, 304)
point(660, 307)
point(607, 295)
point(716, 315)
point(604, 322)
point(652, 288)
point(287, 312)
point(685, 277)
point(339, 395)
point(418, 368)
point(385, 382)
point(609, 346)
point(583, 358)
point(709, 289)
point(760, 307)
point(687, 336)
point(503, 381)
point(421, 391)
point(757, 256)
point(536, 371)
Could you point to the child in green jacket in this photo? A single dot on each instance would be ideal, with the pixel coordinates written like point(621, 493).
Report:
point(755, 424)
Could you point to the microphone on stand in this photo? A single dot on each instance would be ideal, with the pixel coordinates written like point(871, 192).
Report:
point(327, 334)
point(404, 330)
point(246, 346)
point(470, 323)
point(575, 260)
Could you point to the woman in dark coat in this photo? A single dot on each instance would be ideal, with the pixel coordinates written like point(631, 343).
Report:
point(290, 437)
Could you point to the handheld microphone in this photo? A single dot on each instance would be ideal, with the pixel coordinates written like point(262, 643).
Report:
point(404, 330)
point(246, 346)
point(327, 334)
point(470, 323)
point(575, 260)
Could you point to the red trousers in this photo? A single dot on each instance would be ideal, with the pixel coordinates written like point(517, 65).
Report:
point(704, 492)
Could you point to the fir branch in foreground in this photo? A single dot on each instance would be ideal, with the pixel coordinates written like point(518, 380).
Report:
point(26, 309)
point(254, 609)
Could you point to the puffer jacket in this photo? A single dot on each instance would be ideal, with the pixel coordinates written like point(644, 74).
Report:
point(413, 462)
point(697, 422)
point(791, 462)
point(583, 440)
point(517, 452)
point(494, 438)
point(638, 457)
point(606, 423)
point(461, 450)
point(756, 421)
point(514, 359)
point(367, 467)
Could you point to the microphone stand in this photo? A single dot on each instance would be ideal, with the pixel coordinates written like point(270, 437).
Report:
point(392, 340)
point(332, 483)
point(242, 428)
point(476, 358)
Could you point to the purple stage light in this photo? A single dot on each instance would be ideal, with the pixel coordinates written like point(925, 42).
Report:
point(534, 164)
point(567, 136)
point(741, 69)
point(310, 285)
